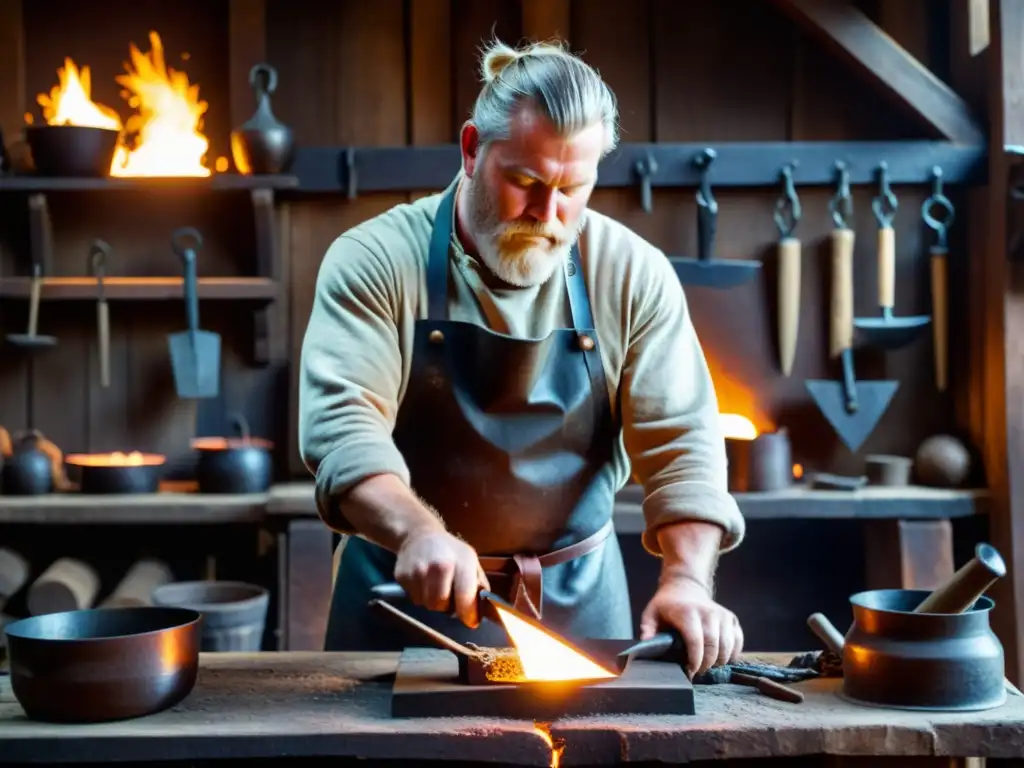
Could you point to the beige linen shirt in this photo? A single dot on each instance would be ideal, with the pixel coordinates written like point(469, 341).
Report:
point(356, 355)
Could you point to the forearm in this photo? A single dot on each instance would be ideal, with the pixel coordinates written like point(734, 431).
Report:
point(690, 551)
point(383, 509)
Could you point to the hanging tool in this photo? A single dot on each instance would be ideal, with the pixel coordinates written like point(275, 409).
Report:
point(30, 339)
point(195, 354)
point(789, 270)
point(99, 251)
point(852, 408)
point(888, 331)
point(646, 168)
point(706, 270)
point(940, 284)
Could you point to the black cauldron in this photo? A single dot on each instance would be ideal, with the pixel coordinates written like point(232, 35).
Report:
point(117, 472)
point(234, 464)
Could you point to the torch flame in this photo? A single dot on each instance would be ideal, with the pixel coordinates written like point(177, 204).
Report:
point(543, 657)
point(167, 124)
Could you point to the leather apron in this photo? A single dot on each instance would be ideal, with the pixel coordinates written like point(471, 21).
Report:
point(511, 441)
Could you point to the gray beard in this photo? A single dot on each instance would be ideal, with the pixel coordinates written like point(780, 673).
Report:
point(512, 259)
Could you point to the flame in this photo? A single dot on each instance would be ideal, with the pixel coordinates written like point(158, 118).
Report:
point(736, 427)
point(70, 102)
point(167, 123)
point(545, 658)
point(169, 119)
point(798, 471)
point(114, 459)
point(544, 729)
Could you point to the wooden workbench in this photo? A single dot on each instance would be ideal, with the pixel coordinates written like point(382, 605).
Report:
point(337, 705)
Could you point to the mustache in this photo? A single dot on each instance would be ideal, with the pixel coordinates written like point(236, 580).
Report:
point(556, 234)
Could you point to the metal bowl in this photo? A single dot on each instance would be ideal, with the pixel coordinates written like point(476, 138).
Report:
point(103, 664)
point(72, 150)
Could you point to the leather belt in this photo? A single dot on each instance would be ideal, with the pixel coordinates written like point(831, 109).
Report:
point(520, 577)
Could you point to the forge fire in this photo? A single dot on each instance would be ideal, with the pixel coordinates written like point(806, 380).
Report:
point(163, 137)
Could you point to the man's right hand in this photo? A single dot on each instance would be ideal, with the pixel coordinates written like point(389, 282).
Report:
point(436, 569)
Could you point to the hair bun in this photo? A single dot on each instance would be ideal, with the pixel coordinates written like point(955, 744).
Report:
point(496, 59)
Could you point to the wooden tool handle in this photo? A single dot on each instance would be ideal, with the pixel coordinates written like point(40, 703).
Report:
point(33, 304)
point(137, 586)
point(841, 330)
point(103, 328)
point(967, 584)
point(789, 301)
point(827, 632)
point(67, 585)
point(14, 572)
point(887, 267)
point(940, 309)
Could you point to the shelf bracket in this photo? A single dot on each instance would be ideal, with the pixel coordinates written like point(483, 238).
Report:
point(40, 232)
point(270, 343)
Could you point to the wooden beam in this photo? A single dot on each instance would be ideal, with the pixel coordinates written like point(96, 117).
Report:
point(546, 19)
point(1002, 294)
point(12, 63)
point(247, 47)
point(860, 42)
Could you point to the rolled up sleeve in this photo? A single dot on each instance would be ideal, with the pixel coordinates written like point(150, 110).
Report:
point(349, 377)
point(670, 416)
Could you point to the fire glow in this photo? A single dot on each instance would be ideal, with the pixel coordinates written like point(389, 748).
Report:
point(544, 658)
point(166, 123)
point(115, 459)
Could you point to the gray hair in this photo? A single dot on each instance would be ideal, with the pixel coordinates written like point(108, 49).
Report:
point(568, 91)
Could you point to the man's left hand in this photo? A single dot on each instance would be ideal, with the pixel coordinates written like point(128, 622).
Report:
point(711, 633)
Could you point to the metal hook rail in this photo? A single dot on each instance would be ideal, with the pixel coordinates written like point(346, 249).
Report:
point(646, 167)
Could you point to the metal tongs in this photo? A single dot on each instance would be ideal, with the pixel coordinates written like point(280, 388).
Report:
point(474, 661)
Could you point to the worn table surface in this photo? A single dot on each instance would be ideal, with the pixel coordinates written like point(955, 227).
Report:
point(337, 704)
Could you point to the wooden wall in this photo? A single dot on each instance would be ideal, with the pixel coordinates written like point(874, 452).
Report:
point(393, 72)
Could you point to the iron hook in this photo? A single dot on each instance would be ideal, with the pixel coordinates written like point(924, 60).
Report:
point(885, 198)
point(940, 225)
point(703, 162)
point(841, 204)
point(99, 251)
point(788, 200)
point(646, 167)
point(707, 207)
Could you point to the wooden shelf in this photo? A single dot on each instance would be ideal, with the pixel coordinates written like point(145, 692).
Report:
point(177, 503)
point(216, 183)
point(142, 288)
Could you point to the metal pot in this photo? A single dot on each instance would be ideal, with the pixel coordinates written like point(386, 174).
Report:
point(72, 150)
point(103, 664)
point(262, 144)
point(234, 465)
point(894, 657)
point(29, 470)
point(117, 472)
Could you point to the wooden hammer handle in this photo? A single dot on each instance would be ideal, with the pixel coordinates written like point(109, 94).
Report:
point(967, 584)
point(887, 267)
point(841, 327)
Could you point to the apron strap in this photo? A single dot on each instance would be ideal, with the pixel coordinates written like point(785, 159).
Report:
point(521, 576)
point(437, 258)
point(437, 271)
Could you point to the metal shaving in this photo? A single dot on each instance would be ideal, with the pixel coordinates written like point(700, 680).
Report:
point(501, 665)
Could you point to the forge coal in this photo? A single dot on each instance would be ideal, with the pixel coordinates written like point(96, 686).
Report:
point(427, 684)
